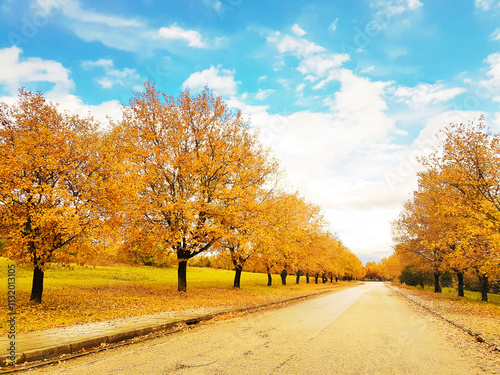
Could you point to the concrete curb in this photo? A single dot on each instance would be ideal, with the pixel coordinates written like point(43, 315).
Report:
point(476, 335)
point(77, 346)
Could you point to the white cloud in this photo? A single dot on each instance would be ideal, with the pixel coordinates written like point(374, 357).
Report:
point(217, 79)
point(126, 77)
point(297, 30)
point(101, 112)
point(333, 25)
point(98, 63)
point(264, 94)
point(175, 32)
point(338, 159)
point(494, 72)
point(425, 94)
point(214, 4)
point(369, 112)
point(286, 83)
point(483, 4)
point(490, 87)
point(319, 65)
point(496, 119)
point(73, 9)
point(392, 8)
point(368, 69)
point(126, 34)
point(315, 61)
point(414, 4)
point(16, 71)
point(495, 35)
point(298, 47)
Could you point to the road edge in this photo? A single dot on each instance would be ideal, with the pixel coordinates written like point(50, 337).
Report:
point(52, 354)
point(476, 335)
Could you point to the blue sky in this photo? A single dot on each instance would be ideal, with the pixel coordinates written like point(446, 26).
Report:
point(347, 93)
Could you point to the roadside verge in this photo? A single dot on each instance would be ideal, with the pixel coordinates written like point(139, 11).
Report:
point(478, 319)
point(52, 345)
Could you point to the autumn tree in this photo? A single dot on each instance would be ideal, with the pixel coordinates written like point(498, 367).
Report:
point(391, 266)
point(246, 218)
point(54, 185)
point(190, 156)
point(458, 204)
point(467, 162)
point(374, 270)
point(421, 230)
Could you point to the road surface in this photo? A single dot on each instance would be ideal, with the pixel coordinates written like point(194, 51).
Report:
point(368, 329)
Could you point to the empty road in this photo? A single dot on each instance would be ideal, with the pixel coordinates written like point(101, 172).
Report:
point(367, 329)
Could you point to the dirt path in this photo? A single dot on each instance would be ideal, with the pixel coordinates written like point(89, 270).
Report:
point(368, 329)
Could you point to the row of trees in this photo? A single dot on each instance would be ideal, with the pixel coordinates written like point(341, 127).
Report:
point(179, 175)
point(452, 222)
point(388, 269)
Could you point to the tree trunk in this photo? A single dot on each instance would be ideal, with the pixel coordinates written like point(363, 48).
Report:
point(437, 285)
point(284, 274)
point(331, 278)
point(297, 279)
point(269, 279)
point(483, 284)
point(181, 276)
point(324, 279)
point(237, 275)
point(336, 278)
point(37, 285)
point(316, 277)
point(460, 277)
point(307, 278)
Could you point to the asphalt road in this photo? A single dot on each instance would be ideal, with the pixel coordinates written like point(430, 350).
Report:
point(368, 329)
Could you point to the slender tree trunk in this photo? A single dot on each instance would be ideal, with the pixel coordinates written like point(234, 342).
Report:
point(307, 278)
point(336, 278)
point(331, 278)
point(324, 279)
point(483, 284)
point(316, 277)
point(460, 277)
point(437, 284)
point(297, 279)
point(181, 276)
point(269, 279)
point(284, 274)
point(237, 275)
point(37, 285)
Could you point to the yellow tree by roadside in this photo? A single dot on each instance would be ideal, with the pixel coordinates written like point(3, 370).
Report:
point(468, 164)
point(54, 185)
point(392, 266)
point(189, 156)
point(419, 231)
point(246, 215)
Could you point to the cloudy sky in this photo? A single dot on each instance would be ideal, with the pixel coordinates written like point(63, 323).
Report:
point(348, 94)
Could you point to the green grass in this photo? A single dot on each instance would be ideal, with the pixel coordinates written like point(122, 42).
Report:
point(475, 296)
point(83, 294)
point(57, 275)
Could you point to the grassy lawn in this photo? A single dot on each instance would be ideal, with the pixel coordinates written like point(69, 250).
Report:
point(476, 296)
point(88, 294)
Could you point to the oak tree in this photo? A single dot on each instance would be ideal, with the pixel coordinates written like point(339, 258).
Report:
point(53, 185)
